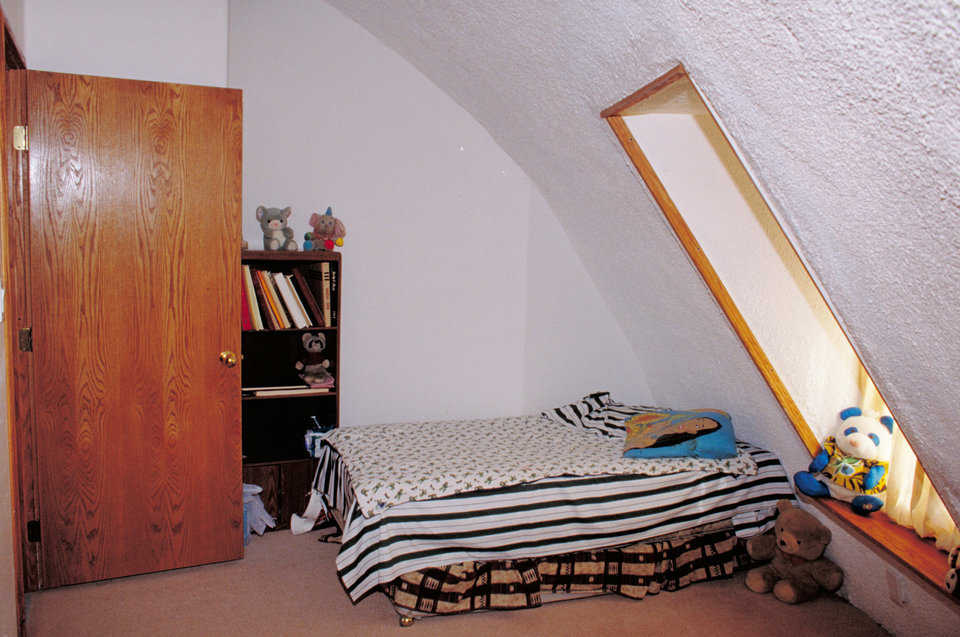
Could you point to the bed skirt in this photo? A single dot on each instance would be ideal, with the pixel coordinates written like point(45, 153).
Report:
point(644, 568)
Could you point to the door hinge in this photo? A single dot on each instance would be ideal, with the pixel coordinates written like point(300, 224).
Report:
point(25, 339)
point(33, 531)
point(20, 141)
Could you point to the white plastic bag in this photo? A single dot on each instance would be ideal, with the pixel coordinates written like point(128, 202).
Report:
point(255, 514)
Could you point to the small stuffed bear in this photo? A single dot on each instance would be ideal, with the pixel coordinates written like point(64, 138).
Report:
point(798, 569)
point(276, 234)
point(313, 369)
point(853, 464)
point(328, 231)
point(952, 579)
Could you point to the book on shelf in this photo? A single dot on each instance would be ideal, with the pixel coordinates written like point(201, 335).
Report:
point(250, 298)
point(273, 300)
point(284, 305)
point(298, 298)
point(270, 322)
point(246, 323)
point(306, 293)
point(300, 391)
point(325, 292)
point(282, 310)
point(318, 279)
point(333, 296)
point(289, 298)
point(302, 297)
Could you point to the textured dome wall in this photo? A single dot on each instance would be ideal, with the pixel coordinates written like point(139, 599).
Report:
point(847, 113)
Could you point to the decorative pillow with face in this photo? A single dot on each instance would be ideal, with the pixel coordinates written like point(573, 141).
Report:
point(696, 433)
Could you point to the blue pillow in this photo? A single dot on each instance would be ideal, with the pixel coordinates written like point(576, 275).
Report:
point(697, 433)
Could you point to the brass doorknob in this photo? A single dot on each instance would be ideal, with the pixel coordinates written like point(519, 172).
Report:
point(228, 358)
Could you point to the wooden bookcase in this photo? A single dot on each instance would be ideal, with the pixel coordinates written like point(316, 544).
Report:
point(274, 453)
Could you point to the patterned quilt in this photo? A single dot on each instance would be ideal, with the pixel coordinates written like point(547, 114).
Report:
point(668, 564)
point(397, 463)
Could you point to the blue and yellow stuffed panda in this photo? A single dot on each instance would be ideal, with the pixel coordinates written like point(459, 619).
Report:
point(853, 464)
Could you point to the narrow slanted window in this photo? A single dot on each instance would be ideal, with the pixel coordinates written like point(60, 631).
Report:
point(911, 499)
point(762, 284)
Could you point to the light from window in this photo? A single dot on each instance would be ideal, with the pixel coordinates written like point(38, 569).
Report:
point(760, 281)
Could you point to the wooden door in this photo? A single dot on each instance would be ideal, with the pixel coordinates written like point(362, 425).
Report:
point(135, 235)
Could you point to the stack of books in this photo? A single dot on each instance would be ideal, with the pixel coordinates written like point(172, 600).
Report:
point(285, 300)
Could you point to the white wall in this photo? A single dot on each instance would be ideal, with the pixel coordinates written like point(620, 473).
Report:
point(573, 344)
point(13, 10)
point(181, 41)
point(435, 284)
point(758, 267)
point(845, 111)
point(442, 224)
point(434, 258)
point(785, 312)
point(852, 137)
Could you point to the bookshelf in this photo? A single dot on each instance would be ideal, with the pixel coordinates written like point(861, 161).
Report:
point(278, 406)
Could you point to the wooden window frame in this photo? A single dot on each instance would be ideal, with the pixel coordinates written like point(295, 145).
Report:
point(901, 547)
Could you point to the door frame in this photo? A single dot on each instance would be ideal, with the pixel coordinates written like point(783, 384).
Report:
point(13, 273)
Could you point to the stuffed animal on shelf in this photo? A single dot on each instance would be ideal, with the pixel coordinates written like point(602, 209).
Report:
point(853, 464)
point(797, 570)
point(276, 234)
point(328, 231)
point(952, 580)
point(313, 367)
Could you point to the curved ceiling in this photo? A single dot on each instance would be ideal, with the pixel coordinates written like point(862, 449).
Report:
point(848, 119)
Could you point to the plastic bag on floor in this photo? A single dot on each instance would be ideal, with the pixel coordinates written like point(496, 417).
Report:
point(255, 516)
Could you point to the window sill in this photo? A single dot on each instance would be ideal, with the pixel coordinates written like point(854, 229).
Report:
point(917, 557)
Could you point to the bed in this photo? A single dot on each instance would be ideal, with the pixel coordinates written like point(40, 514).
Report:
point(451, 516)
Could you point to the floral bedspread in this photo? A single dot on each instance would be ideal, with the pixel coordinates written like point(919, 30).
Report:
point(396, 463)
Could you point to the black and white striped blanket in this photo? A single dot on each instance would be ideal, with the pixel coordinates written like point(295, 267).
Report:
point(546, 517)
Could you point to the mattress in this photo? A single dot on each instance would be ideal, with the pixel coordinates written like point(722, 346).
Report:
point(395, 463)
point(546, 516)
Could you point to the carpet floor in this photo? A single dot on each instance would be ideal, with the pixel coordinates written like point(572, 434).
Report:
point(287, 585)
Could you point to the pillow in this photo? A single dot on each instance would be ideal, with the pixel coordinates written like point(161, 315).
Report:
point(699, 433)
point(587, 413)
point(616, 415)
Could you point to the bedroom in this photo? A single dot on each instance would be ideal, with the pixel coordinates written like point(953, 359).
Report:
point(618, 330)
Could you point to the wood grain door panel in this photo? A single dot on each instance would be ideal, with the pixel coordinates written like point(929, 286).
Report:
point(135, 215)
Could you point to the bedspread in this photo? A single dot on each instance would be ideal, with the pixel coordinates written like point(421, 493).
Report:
point(669, 563)
point(546, 517)
point(397, 463)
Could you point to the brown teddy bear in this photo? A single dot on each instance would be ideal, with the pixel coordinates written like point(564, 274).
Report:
point(798, 569)
point(313, 367)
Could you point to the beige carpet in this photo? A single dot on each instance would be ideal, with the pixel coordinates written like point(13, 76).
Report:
point(286, 585)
